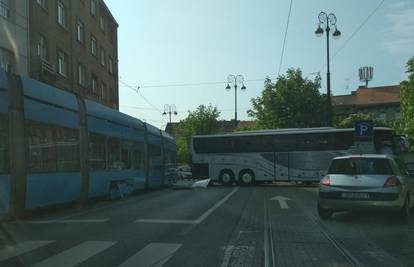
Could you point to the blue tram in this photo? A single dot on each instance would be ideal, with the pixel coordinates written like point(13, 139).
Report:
point(57, 147)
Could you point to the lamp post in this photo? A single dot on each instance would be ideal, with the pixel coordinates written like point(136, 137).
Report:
point(328, 22)
point(170, 110)
point(235, 80)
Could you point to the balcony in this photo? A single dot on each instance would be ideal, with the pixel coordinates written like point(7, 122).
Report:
point(44, 71)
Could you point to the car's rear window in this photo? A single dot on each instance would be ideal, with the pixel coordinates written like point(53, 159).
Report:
point(355, 166)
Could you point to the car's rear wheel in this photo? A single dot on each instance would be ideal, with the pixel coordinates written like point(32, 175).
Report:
point(324, 213)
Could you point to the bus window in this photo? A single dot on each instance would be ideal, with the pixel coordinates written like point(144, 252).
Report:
point(4, 145)
point(384, 142)
point(343, 140)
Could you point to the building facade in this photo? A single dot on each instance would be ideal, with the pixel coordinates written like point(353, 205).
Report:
point(73, 46)
point(70, 44)
point(383, 101)
point(14, 36)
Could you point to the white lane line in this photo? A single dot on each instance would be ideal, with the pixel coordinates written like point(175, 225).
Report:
point(216, 206)
point(197, 221)
point(12, 251)
point(75, 255)
point(70, 221)
point(153, 255)
point(265, 234)
point(165, 221)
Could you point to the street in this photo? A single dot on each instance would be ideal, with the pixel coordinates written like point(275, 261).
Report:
point(268, 225)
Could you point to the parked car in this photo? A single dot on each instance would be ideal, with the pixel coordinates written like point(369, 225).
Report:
point(366, 181)
point(184, 172)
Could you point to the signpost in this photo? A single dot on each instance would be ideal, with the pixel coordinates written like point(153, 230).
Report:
point(364, 137)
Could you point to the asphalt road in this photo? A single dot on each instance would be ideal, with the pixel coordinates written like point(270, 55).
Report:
point(218, 226)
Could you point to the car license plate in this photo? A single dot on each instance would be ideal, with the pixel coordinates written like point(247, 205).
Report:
point(353, 195)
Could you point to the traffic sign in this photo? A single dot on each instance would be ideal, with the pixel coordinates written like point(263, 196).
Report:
point(364, 130)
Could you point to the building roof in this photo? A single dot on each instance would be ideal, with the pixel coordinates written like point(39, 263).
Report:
point(370, 96)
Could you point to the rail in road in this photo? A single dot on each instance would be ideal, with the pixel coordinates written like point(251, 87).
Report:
point(218, 226)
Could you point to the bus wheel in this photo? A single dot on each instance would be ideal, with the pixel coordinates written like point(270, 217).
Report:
point(226, 177)
point(246, 177)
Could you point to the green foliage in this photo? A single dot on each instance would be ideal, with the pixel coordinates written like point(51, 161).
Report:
point(204, 120)
point(247, 128)
point(407, 103)
point(349, 122)
point(293, 101)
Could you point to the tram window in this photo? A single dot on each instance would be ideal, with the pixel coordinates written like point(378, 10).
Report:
point(155, 156)
point(52, 148)
point(137, 159)
point(4, 145)
point(114, 154)
point(97, 152)
point(67, 149)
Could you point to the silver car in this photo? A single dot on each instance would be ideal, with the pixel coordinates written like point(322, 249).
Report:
point(366, 181)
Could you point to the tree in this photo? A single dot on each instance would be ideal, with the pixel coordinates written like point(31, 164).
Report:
point(204, 120)
point(407, 103)
point(291, 102)
point(349, 122)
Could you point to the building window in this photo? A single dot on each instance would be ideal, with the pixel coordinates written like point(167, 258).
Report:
point(61, 14)
point(4, 9)
point(102, 23)
point(62, 63)
point(6, 59)
point(42, 3)
point(81, 75)
point(94, 46)
point(94, 84)
point(80, 31)
point(103, 91)
point(41, 47)
point(398, 115)
point(383, 116)
point(103, 55)
point(111, 65)
point(93, 8)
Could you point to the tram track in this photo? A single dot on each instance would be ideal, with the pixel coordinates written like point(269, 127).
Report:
point(270, 253)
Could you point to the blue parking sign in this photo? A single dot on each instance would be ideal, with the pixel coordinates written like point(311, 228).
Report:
point(364, 130)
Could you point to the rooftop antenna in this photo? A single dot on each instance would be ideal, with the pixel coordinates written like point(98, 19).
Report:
point(366, 74)
point(347, 85)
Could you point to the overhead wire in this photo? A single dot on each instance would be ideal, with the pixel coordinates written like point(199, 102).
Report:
point(136, 90)
point(191, 84)
point(284, 38)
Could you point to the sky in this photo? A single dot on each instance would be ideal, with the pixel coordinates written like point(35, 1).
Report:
point(167, 48)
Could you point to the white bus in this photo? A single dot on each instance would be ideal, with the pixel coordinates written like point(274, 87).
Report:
point(300, 155)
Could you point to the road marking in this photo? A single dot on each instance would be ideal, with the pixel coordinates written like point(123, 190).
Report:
point(266, 235)
point(197, 221)
point(75, 255)
point(154, 255)
point(71, 221)
point(216, 206)
point(165, 221)
point(282, 201)
point(241, 253)
point(12, 251)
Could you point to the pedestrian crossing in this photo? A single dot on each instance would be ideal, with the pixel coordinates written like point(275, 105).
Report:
point(153, 254)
